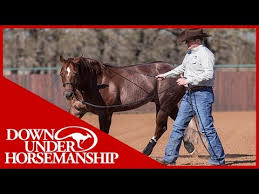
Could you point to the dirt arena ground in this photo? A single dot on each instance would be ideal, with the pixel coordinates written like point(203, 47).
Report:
point(237, 131)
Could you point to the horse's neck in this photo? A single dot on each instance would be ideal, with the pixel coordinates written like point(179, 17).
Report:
point(88, 87)
point(89, 84)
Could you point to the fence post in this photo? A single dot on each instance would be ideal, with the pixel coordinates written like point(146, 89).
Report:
point(23, 77)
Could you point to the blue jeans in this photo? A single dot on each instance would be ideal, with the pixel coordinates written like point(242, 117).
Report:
point(202, 101)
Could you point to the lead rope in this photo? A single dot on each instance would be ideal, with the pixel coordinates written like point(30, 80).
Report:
point(132, 104)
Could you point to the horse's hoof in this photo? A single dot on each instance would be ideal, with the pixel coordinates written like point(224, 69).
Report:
point(149, 148)
point(189, 147)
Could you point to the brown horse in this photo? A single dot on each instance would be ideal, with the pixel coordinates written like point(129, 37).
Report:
point(104, 89)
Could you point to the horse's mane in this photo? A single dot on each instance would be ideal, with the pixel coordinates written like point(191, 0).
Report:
point(92, 65)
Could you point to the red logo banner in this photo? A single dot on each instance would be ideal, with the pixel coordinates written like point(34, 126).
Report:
point(37, 134)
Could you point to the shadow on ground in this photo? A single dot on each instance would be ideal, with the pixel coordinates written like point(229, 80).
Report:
point(231, 159)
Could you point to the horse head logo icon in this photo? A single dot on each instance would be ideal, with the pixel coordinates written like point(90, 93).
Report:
point(79, 137)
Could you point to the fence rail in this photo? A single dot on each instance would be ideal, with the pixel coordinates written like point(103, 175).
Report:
point(234, 91)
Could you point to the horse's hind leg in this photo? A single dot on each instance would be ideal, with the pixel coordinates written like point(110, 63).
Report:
point(161, 127)
point(188, 135)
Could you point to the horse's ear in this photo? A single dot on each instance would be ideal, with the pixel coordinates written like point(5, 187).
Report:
point(61, 59)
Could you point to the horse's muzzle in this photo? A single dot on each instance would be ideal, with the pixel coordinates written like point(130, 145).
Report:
point(68, 94)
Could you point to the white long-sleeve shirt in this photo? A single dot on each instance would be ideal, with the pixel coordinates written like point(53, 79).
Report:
point(197, 67)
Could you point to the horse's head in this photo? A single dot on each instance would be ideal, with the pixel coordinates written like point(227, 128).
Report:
point(70, 73)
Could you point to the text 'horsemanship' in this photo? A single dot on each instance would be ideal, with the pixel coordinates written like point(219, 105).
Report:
point(63, 146)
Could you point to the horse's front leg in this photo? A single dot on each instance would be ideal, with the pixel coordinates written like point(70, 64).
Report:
point(77, 109)
point(161, 127)
point(105, 122)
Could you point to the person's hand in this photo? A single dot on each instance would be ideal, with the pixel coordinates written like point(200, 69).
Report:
point(181, 81)
point(160, 77)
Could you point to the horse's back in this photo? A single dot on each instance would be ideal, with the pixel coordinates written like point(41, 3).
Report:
point(152, 68)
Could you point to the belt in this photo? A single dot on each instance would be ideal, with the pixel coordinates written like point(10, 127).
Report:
point(195, 88)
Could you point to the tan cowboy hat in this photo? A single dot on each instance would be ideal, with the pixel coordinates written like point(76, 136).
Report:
point(191, 33)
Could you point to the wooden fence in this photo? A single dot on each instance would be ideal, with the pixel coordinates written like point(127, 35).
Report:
point(234, 91)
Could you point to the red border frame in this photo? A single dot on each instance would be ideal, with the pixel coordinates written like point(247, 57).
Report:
point(2, 27)
point(129, 26)
point(1, 51)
